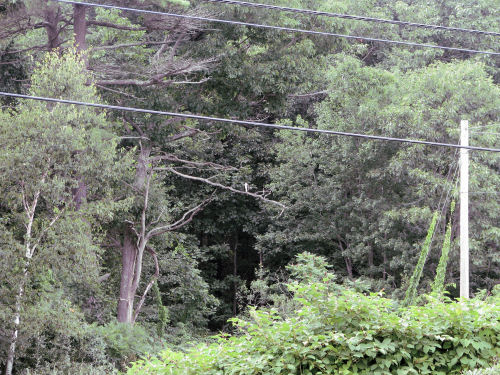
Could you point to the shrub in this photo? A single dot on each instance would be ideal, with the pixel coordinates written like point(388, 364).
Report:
point(342, 331)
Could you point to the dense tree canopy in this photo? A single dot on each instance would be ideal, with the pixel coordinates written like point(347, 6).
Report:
point(124, 232)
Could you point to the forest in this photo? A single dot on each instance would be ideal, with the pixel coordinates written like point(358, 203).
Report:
point(183, 196)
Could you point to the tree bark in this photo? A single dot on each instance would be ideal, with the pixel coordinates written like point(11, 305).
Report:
point(370, 257)
point(348, 264)
point(52, 18)
point(30, 213)
point(126, 301)
point(133, 248)
point(80, 27)
point(17, 317)
point(235, 274)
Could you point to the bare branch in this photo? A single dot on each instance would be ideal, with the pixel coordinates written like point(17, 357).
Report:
point(171, 157)
point(114, 25)
point(322, 92)
point(42, 47)
point(150, 284)
point(125, 45)
point(46, 229)
point(230, 188)
point(119, 92)
point(190, 82)
point(185, 219)
point(188, 133)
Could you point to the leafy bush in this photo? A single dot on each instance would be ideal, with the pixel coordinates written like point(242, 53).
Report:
point(485, 371)
point(124, 342)
point(338, 330)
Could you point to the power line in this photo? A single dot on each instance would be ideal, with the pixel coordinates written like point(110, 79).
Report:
point(478, 132)
point(353, 17)
point(484, 192)
point(250, 123)
point(485, 126)
point(281, 28)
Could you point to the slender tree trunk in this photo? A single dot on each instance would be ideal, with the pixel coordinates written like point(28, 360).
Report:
point(384, 273)
point(126, 302)
point(30, 212)
point(133, 248)
point(347, 259)
point(348, 265)
point(52, 17)
point(80, 27)
point(17, 317)
point(235, 274)
point(370, 257)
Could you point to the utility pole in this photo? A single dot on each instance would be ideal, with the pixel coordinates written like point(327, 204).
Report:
point(464, 210)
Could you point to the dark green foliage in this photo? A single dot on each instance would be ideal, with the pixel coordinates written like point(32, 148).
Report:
point(341, 331)
point(162, 311)
point(124, 342)
point(365, 206)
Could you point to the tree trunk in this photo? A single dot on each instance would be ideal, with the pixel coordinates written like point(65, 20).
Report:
point(132, 251)
point(79, 193)
point(348, 265)
point(127, 292)
point(17, 318)
point(347, 259)
point(370, 257)
point(235, 275)
point(52, 17)
point(80, 27)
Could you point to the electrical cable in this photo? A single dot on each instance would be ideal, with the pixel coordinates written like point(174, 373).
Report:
point(441, 211)
point(352, 17)
point(484, 126)
point(480, 132)
point(281, 28)
point(250, 123)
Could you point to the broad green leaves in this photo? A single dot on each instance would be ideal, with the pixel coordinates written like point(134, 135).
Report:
point(345, 332)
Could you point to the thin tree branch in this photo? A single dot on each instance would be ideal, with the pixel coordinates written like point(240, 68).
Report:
point(185, 219)
point(150, 284)
point(45, 230)
point(225, 187)
point(322, 92)
point(115, 26)
point(171, 157)
point(125, 45)
point(119, 92)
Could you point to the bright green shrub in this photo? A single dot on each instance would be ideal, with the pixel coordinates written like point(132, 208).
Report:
point(341, 331)
point(411, 291)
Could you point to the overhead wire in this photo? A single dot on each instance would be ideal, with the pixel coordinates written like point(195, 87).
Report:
point(280, 28)
point(455, 165)
point(352, 17)
point(248, 123)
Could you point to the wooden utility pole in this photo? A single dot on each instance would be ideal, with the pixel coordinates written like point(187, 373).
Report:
point(464, 210)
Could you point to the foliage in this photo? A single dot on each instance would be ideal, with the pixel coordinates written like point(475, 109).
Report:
point(438, 285)
point(411, 291)
point(124, 342)
point(346, 332)
point(50, 151)
point(364, 205)
point(485, 371)
point(74, 369)
point(162, 311)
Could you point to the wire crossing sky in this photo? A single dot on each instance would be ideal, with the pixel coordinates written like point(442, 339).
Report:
point(249, 123)
point(352, 17)
point(281, 28)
